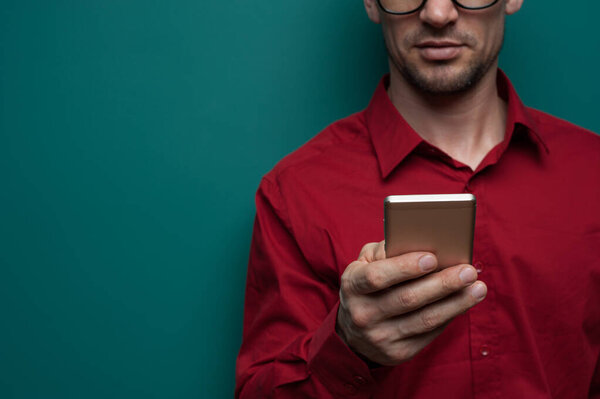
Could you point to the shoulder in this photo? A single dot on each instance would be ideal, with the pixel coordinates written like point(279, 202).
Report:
point(565, 137)
point(334, 144)
point(573, 158)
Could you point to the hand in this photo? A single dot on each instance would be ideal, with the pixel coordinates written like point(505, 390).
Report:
point(390, 309)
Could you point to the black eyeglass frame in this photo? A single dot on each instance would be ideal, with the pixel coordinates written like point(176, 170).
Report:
point(425, 1)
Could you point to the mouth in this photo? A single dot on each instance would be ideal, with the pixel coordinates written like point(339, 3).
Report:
point(439, 50)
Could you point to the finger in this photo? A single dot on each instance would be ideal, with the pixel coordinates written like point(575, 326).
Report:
point(372, 251)
point(365, 278)
point(404, 350)
point(417, 293)
point(368, 251)
point(439, 313)
point(380, 252)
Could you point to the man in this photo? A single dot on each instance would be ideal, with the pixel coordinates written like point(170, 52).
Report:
point(522, 322)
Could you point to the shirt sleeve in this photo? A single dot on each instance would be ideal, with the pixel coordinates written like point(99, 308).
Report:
point(289, 347)
point(595, 387)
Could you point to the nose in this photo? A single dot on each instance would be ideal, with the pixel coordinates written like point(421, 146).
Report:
point(438, 13)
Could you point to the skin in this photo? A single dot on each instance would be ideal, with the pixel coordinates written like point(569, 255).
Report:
point(443, 100)
point(390, 309)
point(443, 63)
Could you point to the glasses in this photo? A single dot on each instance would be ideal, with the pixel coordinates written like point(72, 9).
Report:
point(401, 7)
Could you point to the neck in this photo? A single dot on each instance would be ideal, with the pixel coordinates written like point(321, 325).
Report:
point(465, 125)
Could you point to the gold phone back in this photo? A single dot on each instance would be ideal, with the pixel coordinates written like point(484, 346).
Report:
point(442, 224)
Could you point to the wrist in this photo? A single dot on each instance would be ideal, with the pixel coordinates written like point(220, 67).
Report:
point(341, 333)
point(338, 327)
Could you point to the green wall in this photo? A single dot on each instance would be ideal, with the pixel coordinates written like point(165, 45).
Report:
point(133, 135)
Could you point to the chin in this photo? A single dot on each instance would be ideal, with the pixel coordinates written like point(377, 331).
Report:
point(444, 78)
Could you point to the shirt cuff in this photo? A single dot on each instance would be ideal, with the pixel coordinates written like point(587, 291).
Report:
point(335, 365)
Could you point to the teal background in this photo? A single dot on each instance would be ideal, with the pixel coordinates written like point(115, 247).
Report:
point(133, 135)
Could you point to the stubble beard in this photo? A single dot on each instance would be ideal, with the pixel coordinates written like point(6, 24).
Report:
point(443, 80)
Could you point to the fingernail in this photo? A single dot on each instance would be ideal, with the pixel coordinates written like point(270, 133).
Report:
point(467, 275)
point(427, 263)
point(479, 291)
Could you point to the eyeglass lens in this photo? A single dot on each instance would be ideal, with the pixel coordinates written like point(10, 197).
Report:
point(407, 6)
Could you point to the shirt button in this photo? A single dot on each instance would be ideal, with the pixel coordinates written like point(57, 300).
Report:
point(485, 351)
point(358, 380)
point(350, 388)
point(478, 266)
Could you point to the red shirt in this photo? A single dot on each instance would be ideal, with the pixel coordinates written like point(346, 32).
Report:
point(537, 246)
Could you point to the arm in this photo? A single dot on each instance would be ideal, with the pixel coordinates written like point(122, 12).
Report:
point(290, 348)
point(386, 310)
point(595, 386)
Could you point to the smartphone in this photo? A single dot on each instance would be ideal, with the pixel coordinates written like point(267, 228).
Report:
point(443, 224)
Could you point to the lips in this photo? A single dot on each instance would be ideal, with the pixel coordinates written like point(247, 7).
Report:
point(439, 50)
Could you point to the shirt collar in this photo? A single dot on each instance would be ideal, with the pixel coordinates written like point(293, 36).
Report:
point(393, 138)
